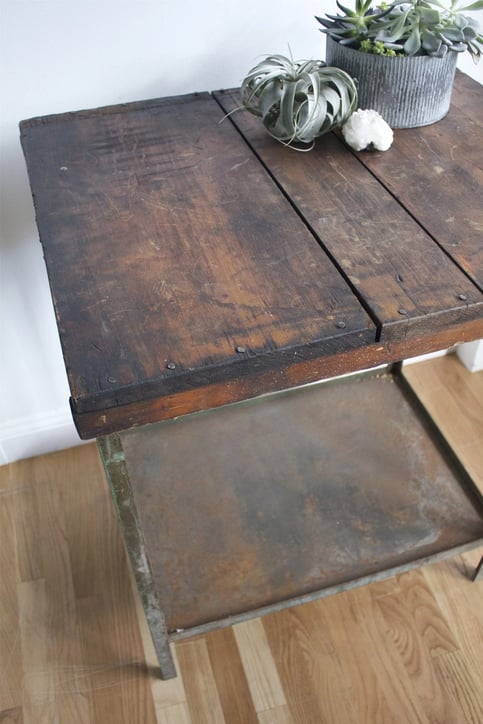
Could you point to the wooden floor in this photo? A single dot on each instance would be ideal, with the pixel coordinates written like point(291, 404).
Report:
point(74, 646)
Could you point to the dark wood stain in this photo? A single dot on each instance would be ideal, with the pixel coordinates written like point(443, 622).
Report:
point(436, 173)
point(174, 260)
point(403, 277)
point(194, 263)
point(296, 372)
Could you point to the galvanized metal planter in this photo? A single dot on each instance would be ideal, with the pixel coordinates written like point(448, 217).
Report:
point(407, 91)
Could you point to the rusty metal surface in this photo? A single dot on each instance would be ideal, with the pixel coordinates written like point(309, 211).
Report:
point(115, 466)
point(263, 501)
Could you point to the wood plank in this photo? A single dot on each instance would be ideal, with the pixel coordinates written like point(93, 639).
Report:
point(467, 97)
point(463, 687)
point(408, 602)
point(300, 370)
point(10, 669)
point(362, 686)
point(393, 680)
point(230, 678)
point(453, 397)
point(12, 716)
point(446, 158)
point(7, 480)
point(420, 633)
point(410, 285)
point(220, 277)
point(175, 714)
point(38, 690)
point(111, 643)
point(202, 695)
point(40, 527)
point(455, 406)
point(28, 530)
point(86, 636)
point(115, 674)
point(260, 669)
point(312, 679)
point(276, 715)
point(96, 552)
point(452, 600)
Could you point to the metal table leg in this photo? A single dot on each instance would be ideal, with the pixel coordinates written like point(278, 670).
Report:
point(115, 466)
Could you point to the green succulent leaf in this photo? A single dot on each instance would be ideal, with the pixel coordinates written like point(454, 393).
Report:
point(392, 33)
point(454, 34)
point(431, 43)
point(347, 11)
point(410, 24)
point(430, 16)
point(413, 43)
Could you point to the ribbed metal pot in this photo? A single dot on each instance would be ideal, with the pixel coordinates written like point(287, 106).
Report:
point(407, 91)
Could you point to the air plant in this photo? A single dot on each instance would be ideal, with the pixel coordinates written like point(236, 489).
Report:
point(298, 101)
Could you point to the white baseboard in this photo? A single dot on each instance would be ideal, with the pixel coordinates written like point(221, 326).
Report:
point(37, 435)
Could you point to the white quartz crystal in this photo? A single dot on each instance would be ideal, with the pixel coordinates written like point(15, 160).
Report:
point(367, 130)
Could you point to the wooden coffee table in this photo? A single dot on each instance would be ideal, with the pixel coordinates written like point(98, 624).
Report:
point(196, 263)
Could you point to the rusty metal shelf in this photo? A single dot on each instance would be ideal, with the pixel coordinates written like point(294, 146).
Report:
point(278, 500)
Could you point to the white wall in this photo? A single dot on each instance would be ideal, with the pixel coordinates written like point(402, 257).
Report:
point(60, 55)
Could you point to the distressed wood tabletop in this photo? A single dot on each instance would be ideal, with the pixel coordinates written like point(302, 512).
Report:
point(195, 261)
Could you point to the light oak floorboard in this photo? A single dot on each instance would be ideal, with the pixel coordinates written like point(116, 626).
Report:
point(309, 665)
point(230, 678)
point(10, 655)
point(277, 715)
point(262, 673)
point(202, 694)
point(75, 647)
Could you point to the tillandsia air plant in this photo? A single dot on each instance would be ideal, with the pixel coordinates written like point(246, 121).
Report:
point(298, 100)
point(420, 27)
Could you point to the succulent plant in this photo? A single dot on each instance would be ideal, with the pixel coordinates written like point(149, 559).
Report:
point(419, 27)
point(298, 100)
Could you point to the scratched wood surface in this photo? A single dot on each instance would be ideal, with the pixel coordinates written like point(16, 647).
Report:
point(74, 647)
point(300, 370)
point(173, 257)
point(186, 275)
point(465, 97)
point(446, 160)
point(410, 285)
